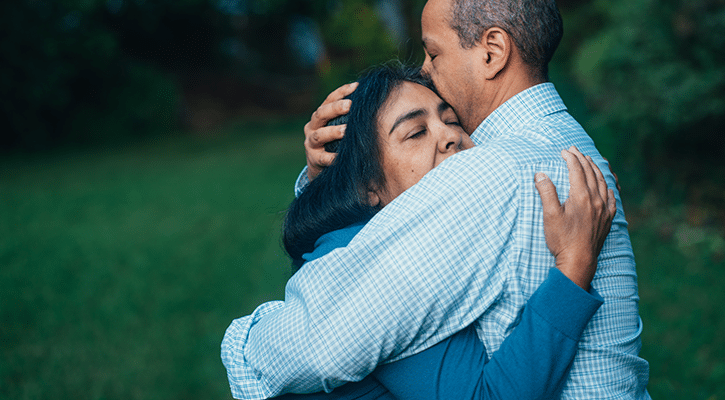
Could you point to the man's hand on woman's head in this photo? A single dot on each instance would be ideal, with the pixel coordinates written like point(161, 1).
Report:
point(575, 231)
point(317, 133)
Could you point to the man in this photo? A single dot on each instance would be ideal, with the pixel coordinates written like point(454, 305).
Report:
point(464, 245)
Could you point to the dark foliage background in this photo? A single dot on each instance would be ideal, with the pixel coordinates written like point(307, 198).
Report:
point(646, 76)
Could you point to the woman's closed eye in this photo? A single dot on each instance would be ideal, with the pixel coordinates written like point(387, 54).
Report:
point(418, 134)
point(453, 122)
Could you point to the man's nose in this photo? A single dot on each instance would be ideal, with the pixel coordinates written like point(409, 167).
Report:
point(425, 68)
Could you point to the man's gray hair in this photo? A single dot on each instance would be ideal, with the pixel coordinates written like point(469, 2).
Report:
point(535, 26)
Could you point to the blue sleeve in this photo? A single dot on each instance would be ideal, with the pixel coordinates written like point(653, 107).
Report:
point(533, 362)
point(367, 389)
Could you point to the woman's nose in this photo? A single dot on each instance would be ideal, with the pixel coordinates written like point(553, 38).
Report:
point(450, 140)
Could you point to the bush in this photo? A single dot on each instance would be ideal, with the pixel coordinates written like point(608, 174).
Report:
point(655, 74)
point(65, 79)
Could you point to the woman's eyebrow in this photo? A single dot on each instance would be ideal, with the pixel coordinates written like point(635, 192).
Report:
point(406, 117)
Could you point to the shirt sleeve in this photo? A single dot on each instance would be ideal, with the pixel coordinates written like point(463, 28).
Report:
point(533, 362)
point(243, 380)
point(429, 264)
point(302, 181)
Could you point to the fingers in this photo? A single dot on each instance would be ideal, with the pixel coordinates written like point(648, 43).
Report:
point(601, 183)
point(577, 178)
point(317, 161)
point(616, 178)
point(326, 112)
point(317, 133)
point(334, 105)
point(611, 203)
point(590, 177)
point(340, 93)
point(547, 191)
point(597, 185)
point(317, 138)
point(325, 159)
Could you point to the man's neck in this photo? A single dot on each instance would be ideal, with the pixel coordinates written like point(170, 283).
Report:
point(509, 87)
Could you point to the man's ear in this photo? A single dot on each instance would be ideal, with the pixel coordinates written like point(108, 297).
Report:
point(496, 46)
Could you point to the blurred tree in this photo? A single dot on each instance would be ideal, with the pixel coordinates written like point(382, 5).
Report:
point(651, 73)
point(654, 74)
point(64, 78)
point(356, 39)
point(97, 70)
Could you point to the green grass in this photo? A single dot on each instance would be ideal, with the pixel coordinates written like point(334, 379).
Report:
point(121, 268)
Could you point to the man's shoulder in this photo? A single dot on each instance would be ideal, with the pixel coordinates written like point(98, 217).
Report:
point(491, 173)
point(513, 151)
point(540, 139)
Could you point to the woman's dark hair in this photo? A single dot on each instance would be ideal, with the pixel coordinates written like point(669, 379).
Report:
point(338, 197)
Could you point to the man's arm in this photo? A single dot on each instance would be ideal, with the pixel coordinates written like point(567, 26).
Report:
point(428, 265)
point(575, 232)
point(416, 274)
point(243, 380)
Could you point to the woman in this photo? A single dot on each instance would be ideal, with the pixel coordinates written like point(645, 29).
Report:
point(398, 129)
point(372, 169)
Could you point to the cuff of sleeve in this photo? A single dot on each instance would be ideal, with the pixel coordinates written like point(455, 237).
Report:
point(563, 304)
point(245, 382)
point(302, 181)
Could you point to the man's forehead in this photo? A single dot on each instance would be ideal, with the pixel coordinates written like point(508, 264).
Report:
point(437, 9)
point(435, 15)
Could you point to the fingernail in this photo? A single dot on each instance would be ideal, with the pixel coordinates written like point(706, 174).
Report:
point(343, 128)
point(540, 176)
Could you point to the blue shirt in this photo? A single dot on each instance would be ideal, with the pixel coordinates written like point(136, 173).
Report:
point(464, 245)
point(531, 363)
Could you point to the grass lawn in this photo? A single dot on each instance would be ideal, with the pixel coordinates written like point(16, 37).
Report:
point(121, 268)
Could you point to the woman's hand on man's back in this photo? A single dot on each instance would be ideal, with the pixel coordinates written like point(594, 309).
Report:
point(575, 231)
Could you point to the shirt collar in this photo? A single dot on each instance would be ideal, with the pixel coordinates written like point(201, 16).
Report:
point(518, 111)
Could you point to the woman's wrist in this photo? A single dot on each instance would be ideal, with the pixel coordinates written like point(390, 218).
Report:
point(579, 269)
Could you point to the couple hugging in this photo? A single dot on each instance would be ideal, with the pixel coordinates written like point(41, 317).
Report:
point(417, 278)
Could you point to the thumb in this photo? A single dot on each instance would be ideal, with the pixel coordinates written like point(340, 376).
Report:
point(547, 191)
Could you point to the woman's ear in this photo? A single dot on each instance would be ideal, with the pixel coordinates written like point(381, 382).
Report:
point(496, 46)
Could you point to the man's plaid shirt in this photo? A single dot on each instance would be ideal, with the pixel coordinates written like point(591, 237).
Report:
point(464, 245)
